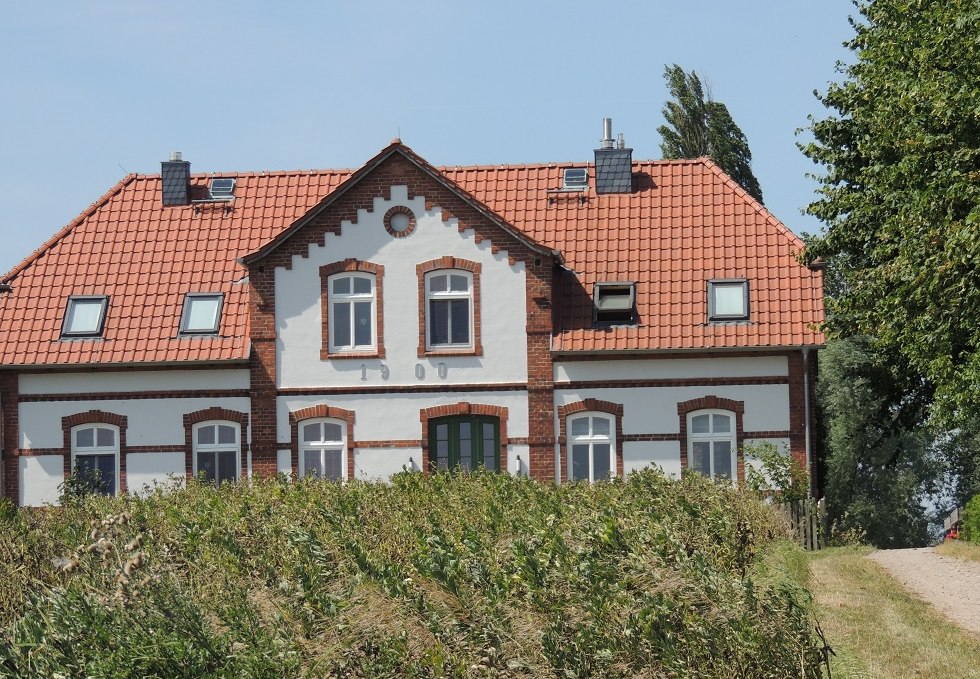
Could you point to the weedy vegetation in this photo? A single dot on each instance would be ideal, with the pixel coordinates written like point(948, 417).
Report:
point(447, 575)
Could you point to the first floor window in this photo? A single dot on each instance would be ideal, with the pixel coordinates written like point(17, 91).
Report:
point(591, 447)
point(322, 450)
point(95, 458)
point(711, 441)
point(217, 449)
point(465, 442)
point(449, 309)
point(352, 300)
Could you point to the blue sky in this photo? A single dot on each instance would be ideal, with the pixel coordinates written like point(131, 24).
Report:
point(94, 90)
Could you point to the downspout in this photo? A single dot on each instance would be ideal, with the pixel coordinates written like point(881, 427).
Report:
point(806, 412)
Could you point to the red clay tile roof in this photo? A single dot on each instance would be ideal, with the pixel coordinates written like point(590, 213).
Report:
point(685, 224)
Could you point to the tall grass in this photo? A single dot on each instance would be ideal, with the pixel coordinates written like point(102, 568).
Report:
point(428, 576)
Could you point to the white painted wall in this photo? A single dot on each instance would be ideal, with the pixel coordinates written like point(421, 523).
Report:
point(664, 454)
point(151, 422)
point(671, 368)
point(653, 410)
point(145, 471)
point(298, 315)
point(284, 462)
point(379, 464)
point(39, 478)
point(140, 380)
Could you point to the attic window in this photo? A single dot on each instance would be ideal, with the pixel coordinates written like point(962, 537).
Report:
point(575, 179)
point(201, 315)
point(614, 302)
point(728, 300)
point(85, 316)
point(221, 188)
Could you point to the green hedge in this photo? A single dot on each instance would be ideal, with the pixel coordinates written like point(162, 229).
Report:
point(444, 575)
point(971, 519)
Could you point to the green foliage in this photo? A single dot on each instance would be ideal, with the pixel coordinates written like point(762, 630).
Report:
point(697, 126)
point(779, 475)
point(443, 575)
point(900, 196)
point(879, 464)
point(971, 520)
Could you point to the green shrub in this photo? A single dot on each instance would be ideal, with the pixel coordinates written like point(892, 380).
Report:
point(971, 519)
point(444, 575)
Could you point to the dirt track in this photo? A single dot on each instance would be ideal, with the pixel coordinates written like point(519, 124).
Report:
point(951, 585)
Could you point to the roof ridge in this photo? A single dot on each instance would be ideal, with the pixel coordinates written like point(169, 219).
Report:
point(68, 228)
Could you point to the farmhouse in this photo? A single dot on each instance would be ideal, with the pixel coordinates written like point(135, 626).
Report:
point(563, 321)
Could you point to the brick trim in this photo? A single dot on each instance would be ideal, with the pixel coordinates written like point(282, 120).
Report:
point(714, 403)
point(137, 395)
point(69, 422)
point(587, 406)
point(216, 414)
point(10, 430)
point(348, 266)
point(400, 210)
point(319, 412)
point(673, 382)
point(449, 263)
point(465, 408)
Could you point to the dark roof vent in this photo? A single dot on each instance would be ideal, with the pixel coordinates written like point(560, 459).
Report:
point(613, 163)
point(176, 180)
point(614, 302)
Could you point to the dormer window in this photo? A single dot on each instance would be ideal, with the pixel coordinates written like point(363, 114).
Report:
point(201, 314)
point(575, 179)
point(614, 302)
point(728, 300)
point(85, 316)
point(221, 188)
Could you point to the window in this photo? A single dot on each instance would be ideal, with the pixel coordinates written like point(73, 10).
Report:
point(201, 314)
point(711, 441)
point(575, 179)
point(85, 316)
point(323, 444)
point(591, 447)
point(464, 442)
point(614, 302)
point(351, 309)
point(95, 457)
point(728, 300)
point(222, 188)
point(449, 309)
point(217, 451)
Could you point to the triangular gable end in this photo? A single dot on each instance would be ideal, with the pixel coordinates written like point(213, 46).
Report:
point(396, 149)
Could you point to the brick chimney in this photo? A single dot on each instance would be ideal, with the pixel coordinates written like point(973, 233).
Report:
point(613, 163)
point(176, 175)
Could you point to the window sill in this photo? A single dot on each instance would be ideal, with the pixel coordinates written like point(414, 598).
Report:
point(370, 353)
point(461, 351)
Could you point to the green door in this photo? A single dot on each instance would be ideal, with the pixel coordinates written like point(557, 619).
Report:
point(464, 442)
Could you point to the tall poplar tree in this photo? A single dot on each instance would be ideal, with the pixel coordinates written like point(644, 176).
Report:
point(698, 126)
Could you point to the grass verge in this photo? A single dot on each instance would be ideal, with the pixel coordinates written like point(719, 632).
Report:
point(960, 549)
point(878, 629)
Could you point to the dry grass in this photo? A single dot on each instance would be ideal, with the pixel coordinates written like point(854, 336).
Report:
point(877, 629)
point(960, 549)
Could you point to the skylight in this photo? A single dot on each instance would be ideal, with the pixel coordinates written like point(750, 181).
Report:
point(84, 317)
point(575, 179)
point(728, 300)
point(614, 302)
point(222, 188)
point(201, 314)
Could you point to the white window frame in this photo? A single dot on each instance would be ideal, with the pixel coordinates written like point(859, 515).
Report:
point(322, 445)
point(591, 439)
point(713, 437)
point(449, 296)
point(217, 447)
point(189, 299)
point(350, 299)
point(75, 300)
point(716, 285)
point(95, 449)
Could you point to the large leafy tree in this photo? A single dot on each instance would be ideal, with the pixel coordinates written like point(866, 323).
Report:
point(900, 196)
point(698, 126)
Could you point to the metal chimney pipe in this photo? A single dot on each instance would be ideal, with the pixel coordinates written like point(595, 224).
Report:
point(607, 138)
point(175, 156)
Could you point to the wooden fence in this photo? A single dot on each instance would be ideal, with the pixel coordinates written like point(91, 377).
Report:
point(808, 522)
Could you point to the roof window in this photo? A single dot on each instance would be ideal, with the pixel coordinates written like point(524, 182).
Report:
point(575, 179)
point(728, 300)
point(614, 302)
point(85, 316)
point(202, 314)
point(221, 188)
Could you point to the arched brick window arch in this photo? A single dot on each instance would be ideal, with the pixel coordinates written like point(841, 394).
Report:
point(461, 409)
point(376, 272)
point(715, 403)
point(218, 415)
point(69, 422)
point(614, 410)
point(472, 272)
point(315, 413)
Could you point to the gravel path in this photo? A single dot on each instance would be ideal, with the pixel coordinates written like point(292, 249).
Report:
point(951, 585)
